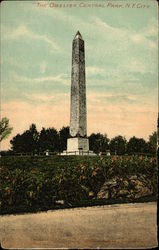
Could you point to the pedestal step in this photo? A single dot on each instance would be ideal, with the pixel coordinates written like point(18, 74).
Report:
point(78, 152)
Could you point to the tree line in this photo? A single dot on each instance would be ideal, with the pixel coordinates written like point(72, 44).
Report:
point(32, 141)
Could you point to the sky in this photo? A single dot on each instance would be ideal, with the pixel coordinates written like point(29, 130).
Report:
point(120, 56)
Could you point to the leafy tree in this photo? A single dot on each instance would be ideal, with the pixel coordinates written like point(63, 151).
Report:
point(64, 134)
point(18, 143)
point(26, 142)
point(152, 143)
point(98, 142)
point(49, 140)
point(136, 145)
point(5, 129)
point(117, 145)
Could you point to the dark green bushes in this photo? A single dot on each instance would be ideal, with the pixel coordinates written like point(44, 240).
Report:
point(37, 183)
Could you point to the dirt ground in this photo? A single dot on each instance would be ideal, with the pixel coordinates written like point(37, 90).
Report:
point(111, 226)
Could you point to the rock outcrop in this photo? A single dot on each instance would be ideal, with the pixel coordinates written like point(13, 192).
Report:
point(126, 187)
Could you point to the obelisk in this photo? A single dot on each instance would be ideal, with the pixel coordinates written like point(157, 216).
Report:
point(78, 140)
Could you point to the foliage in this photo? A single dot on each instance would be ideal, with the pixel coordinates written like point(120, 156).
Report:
point(5, 129)
point(136, 145)
point(48, 140)
point(98, 142)
point(27, 142)
point(32, 141)
point(63, 134)
point(36, 183)
point(117, 145)
point(152, 144)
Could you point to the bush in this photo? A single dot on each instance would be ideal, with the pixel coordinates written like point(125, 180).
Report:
point(35, 183)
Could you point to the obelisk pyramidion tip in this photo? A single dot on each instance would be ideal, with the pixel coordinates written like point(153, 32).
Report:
point(78, 35)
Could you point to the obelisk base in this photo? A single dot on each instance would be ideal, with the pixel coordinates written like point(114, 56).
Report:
point(78, 146)
point(77, 143)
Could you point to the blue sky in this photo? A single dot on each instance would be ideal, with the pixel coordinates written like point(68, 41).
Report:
point(121, 65)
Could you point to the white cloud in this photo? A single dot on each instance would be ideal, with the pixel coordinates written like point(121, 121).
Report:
point(43, 66)
point(47, 98)
point(151, 29)
point(23, 31)
point(58, 78)
point(140, 38)
point(125, 35)
point(61, 78)
point(94, 70)
point(112, 31)
point(104, 97)
point(137, 65)
point(122, 44)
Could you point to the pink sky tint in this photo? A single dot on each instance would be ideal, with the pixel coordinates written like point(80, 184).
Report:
point(127, 120)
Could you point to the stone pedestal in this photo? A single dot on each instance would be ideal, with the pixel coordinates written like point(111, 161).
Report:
point(78, 146)
point(77, 143)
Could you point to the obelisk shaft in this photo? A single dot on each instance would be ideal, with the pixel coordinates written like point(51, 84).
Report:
point(78, 117)
point(78, 142)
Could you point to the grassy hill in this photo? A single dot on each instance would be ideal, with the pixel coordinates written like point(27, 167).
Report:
point(36, 183)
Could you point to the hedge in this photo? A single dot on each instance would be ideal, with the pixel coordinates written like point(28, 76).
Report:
point(30, 184)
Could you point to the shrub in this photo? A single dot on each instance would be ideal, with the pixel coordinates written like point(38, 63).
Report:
point(36, 183)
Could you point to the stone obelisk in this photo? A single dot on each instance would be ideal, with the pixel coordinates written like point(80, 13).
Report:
point(78, 140)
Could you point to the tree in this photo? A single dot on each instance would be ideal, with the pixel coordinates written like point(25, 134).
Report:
point(117, 145)
point(18, 143)
point(49, 140)
point(5, 129)
point(34, 136)
point(26, 142)
point(98, 142)
point(136, 145)
point(152, 143)
point(64, 135)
